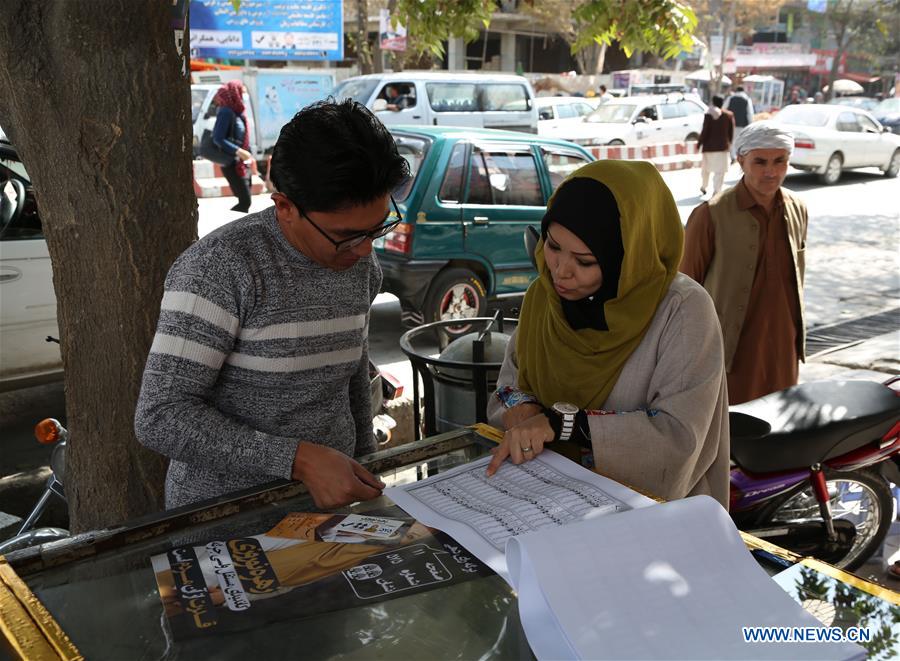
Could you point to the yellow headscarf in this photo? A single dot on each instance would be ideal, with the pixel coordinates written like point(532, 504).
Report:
point(559, 364)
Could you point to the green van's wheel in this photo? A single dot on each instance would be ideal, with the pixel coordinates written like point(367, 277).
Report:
point(455, 293)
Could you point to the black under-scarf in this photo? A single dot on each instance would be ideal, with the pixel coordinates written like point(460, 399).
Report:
point(588, 209)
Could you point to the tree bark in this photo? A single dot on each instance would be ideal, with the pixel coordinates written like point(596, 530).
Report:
point(93, 95)
point(363, 51)
point(840, 23)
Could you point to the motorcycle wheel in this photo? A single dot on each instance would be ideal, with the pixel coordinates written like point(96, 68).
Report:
point(861, 497)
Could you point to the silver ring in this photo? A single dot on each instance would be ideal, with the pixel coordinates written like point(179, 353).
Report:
point(526, 449)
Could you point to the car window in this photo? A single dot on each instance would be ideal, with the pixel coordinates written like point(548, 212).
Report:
point(561, 163)
point(888, 106)
point(848, 123)
point(198, 96)
point(802, 115)
point(359, 89)
point(670, 111)
point(867, 124)
point(545, 112)
point(500, 96)
point(452, 97)
point(28, 225)
point(614, 113)
point(649, 112)
point(413, 150)
point(404, 95)
point(452, 186)
point(566, 111)
point(583, 109)
point(504, 178)
point(690, 108)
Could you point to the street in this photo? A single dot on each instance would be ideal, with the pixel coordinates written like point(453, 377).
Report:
point(853, 250)
point(852, 271)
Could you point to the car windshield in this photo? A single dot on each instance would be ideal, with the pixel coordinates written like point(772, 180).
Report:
point(358, 90)
point(616, 113)
point(888, 106)
point(413, 149)
point(801, 115)
point(10, 161)
point(863, 102)
point(198, 96)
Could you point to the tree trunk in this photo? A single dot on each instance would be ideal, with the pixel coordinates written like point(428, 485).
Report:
point(363, 51)
point(93, 95)
point(839, 22)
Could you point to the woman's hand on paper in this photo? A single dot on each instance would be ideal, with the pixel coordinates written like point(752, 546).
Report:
point(523, 442)
point(520, 413)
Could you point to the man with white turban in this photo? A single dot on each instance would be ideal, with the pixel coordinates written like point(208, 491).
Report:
point(746, 246)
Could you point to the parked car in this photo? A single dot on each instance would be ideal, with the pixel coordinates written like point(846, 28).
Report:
point(861, 102)
point(888, 113)
point(465, 209)
point(558, 112)
point(829, 139)
point(27, 299)
point(440, 98)
point(637, 120)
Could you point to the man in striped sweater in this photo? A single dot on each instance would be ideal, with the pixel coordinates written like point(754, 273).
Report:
point(259, 366)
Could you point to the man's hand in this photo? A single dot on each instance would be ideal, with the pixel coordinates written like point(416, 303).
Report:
point(333, 478)
point(520, 413)
point(523, 442)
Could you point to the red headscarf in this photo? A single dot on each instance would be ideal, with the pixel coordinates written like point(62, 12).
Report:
point(231, 95)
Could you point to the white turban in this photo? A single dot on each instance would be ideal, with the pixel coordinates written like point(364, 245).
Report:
point(764, 135)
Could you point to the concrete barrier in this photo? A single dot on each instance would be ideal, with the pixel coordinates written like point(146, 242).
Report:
point(665, 156)
point(209, 181)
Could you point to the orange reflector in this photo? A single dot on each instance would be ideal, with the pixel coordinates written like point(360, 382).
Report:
point(47, 431)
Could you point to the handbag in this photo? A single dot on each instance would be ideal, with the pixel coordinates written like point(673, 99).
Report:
point(212, 152)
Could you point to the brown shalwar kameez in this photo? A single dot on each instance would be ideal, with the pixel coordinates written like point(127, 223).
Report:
point(766, 358)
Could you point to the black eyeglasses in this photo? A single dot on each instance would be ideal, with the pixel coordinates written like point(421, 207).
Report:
point(348, 244)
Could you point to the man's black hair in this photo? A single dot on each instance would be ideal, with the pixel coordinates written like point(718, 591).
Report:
point(334, 155)
point(718, 101)
point(739, 88)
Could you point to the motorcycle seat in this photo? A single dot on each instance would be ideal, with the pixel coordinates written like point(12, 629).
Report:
point(810, 423)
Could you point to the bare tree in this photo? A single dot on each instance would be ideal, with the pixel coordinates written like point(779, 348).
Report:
point(95, 96)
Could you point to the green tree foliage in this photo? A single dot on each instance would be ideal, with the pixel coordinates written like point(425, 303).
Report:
point(662, 27)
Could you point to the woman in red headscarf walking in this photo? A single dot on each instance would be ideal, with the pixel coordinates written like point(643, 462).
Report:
point(231, 134)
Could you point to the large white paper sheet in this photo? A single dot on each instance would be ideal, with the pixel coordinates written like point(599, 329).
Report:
point(482, 512)
point(674, 581)
point(602, 575)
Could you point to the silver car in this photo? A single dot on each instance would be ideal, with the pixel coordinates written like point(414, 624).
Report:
point(831, 138)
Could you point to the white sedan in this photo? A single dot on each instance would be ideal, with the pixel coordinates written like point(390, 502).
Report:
point(27, 299)
point(556, 113)
point(831, 138)
point(639, 120)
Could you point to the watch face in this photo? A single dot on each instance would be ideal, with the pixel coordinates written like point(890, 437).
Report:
point(565, 408)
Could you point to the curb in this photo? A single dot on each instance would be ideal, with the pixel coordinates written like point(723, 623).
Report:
point(665, 156)
point(210, 182)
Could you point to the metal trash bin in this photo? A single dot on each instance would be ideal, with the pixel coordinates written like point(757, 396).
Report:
point(457, 383)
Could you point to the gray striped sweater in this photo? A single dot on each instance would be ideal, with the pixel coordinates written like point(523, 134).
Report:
point(257, 348)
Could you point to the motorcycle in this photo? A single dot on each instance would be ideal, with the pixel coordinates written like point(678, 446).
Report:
point(806, 468)
point(48, 432)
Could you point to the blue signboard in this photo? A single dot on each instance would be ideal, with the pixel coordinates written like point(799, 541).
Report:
point(282, 93)
point(268, 29)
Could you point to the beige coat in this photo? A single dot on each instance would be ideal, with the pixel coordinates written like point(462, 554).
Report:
point(677, 370)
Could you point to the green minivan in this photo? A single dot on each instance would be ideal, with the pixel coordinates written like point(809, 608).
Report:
point(465, 209)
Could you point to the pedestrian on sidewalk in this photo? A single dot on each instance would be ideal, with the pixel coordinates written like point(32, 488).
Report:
point(715, 142)
point(747, 248)
point(740, 105)
point(231, 135)
point(259, 369)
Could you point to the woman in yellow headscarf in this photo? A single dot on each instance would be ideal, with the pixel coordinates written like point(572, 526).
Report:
point(616, 353)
